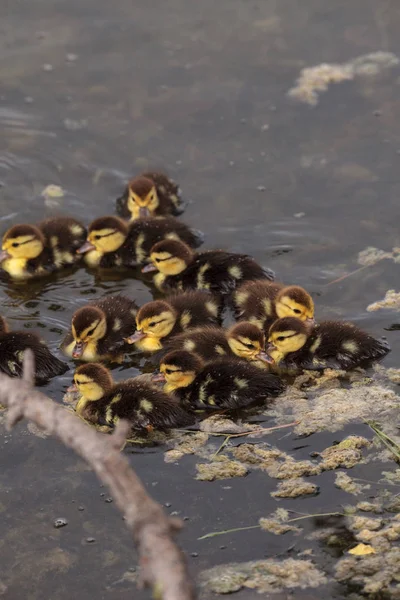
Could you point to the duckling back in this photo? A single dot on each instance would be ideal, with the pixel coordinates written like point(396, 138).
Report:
point(63, 235)
point(196, 308)
point(254, 301)
point(231, 384)
point(12, 347)
point(208, 342)
point(144, 406)
point(219, 272)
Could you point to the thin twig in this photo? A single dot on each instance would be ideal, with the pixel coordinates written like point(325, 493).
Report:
point(343, 277)
point(162, 564)
point(243, 433)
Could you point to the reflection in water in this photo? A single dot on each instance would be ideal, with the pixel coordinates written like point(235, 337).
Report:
point(93, 93)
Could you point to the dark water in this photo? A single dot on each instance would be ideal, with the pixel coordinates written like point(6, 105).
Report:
point(92, 92)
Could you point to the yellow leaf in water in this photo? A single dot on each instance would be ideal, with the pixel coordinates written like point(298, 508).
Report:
point(362, 550)
point(53, 191)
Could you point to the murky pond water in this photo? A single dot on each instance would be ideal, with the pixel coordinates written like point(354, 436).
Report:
point(92, 92)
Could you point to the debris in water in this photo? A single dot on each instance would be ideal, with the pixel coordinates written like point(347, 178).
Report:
point(390, 301)
point(370, 256)
point(189, 444)
point(315, 80)
point(277, 527)
point(61, 522)
point(362, 550)
point(265, 576)
point(223, 468)
point(347, 484)
point(346, 454)
point(256, 455)
point(292, 488)
point(53, 191)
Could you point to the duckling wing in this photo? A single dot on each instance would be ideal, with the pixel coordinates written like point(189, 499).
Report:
point(120, 314)
point(12, 348)
point(121, 205)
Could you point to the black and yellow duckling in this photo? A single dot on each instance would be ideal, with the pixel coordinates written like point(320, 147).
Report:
point(12, 347)
point(262, 302)
point(112, 242)
point(37, 250)
point(226, 383)
point(329, 344)
point(144, 405)
point(158, 321)
point(179, 267)
point(99, 328)
point(150, 195)
point(243, 340)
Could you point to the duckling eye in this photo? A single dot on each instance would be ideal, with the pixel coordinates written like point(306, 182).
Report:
point(90, 331)
point(152, 324)
point(280, 338)
point(168, 371)
point(297, 311)
point(97, 237)
point(15, 245)
point(248, 345)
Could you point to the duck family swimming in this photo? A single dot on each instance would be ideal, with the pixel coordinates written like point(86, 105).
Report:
point(203, 364)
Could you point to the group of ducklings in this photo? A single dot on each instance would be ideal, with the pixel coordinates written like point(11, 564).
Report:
point(202, 365)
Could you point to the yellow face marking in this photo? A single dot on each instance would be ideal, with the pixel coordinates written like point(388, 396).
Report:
point(88, 388)
point(106, 240)
point(244, 347)
point(175, 377)
point(167, 264)
point(288, 307)
point(285, 342)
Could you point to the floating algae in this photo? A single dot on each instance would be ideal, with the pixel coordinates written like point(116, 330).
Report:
point(265, 576)
point(293, 488)
point(346, 454)
point(370, 256)
point(292, 469)
point(277, 527)
point(390, 301)
point(347, 484)
point(221, 468)
point(188, 445)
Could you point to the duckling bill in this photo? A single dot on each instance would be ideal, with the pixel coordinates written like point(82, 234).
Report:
point(150, 195)
point(144, 405)
point(12, 347)
point(99, 328)
point(178, 267)
point(329, 344)
point(223, 384)
point(37, 250)
point(112, 242)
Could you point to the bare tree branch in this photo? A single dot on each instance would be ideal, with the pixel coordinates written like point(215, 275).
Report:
point(162, 564)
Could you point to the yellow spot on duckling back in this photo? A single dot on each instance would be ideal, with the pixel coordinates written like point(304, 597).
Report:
point(189, 345)
point(76, 229)
point(117, 324)
point(211, 400)
point(146, 405)
point(140, 253)
point(108, 415)
point(172, 236)
point(267, 304)
point(118, 261)
point(201, 283)
point(159, 280)
point(212, 308)
point(316, 344)
point(240, 383)
point(241, 297)
point(235, 272)
point(219, 350)
point(351, 346)
point(133, 312)
point(185, 319)
point(54, 241)
point(162, 189)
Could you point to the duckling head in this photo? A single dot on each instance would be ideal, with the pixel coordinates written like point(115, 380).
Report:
point(142, 198)
point(154, 321)
point(294, 301)
point(93, 381)
point(247, 341)
point(169, 257)
point(89, 325)
point(286, 335)
point(3, 325)
point(179, 369)
point(105, 234)
point(22, 242)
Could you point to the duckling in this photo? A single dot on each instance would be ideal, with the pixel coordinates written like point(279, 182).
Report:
point(112, 242)
point(150, 195)
point(144, 405)
point(98, 329)
point(244, 340)
point(37, 250)
point(262, 302)
point(329, 344)
point(215, 270)
point(159, 320)
point(12, 347)
point(224, 383)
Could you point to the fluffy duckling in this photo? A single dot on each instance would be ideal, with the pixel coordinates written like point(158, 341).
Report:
point(12, 347)
point(215, 270)
point(99, 328)
point(150, 195)
point(144, 405)
point(243, 340)
point(37, 250)
point(112, 242)
point(262, 302)
point(159, 320)
point(224, 384)
point(329, 344)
